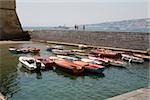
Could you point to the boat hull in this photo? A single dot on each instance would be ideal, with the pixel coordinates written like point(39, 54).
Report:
point(94, 70)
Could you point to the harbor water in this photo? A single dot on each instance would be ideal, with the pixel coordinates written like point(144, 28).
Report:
point(19, 84)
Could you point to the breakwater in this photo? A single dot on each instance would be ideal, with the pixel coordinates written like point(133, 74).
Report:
point(125, 40)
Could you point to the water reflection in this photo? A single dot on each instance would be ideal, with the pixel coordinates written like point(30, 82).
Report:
point(38, 75)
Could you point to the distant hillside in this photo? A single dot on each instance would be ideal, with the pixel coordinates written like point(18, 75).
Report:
point(137, 25)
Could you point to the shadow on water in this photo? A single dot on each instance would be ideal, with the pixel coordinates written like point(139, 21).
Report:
point(74, 77)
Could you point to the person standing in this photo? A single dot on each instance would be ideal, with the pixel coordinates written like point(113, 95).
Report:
point(83, 27)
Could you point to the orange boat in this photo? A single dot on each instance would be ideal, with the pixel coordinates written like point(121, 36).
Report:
point(69, 66)
point(91, 68)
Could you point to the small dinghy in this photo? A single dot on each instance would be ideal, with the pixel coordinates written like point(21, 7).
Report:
point(59, 52)
point(46, 61)
point(145, 57)
point(108, 61)
point(91, 61)
point(30, 63)
point(132, 59)
point(91, 68)
point(33, 50)
point(18, 51)
point(106, 53)
point(69, 67)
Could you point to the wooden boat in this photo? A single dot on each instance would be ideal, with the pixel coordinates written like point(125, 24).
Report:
point(69, 66)
point(46, 61)
point(91, 68)
point(34, 50)
point(132, 59)
point(18, 51)
point(67, 57)
point(30, 63)
point(145, 57)
point(108, 61)
point(106, 53)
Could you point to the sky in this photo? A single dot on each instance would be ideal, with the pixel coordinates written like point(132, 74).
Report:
point(71, 12)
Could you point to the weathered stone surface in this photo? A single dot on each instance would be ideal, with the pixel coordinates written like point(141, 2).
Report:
point(126, 40)
point(10, 27)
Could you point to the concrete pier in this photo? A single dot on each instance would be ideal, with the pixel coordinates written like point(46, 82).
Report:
point(140, 94)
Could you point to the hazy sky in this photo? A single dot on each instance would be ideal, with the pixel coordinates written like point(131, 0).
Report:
point(70, 12)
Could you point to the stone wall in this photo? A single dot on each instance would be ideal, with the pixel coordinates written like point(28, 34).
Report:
point(126, 40)
point(10, 26)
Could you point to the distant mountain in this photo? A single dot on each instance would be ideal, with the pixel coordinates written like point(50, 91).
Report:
point(136, 25)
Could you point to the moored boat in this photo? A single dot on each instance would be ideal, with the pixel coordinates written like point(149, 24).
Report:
point(18, 51)
point(132, 59)
point(30, 63)
point(91, 68)
point(59, 52)
point(108, 61)
point(69, 67)
point(60, 47)
point(106, 53)
point(145, 57)
point(46, 61)
point(67, 57)
point(33, 50)
point(91, 61)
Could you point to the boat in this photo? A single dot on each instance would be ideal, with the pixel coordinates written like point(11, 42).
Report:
point(48, 48)
point(46, 61)
point(145, 57)
point(106, 53)
point(109, 62)
point(69, 67)
point(132, 59)
point(30, 63)
point(91, 68)
point(60, 47)
point(79, 51)
point(59, 52)
point(33, 50)
point(18, 51)
point(62, 52)
point(81, 46)
point(67, 57)
point(91, 61)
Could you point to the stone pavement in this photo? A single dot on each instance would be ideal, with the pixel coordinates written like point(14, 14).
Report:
point(140, 94)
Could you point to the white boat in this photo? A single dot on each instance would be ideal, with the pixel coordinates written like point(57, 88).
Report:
point(67, 57)
point(132, 58)
point(91, 61)
point(30, 63)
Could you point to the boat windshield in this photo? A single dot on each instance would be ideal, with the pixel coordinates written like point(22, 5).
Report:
point(31, 61)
